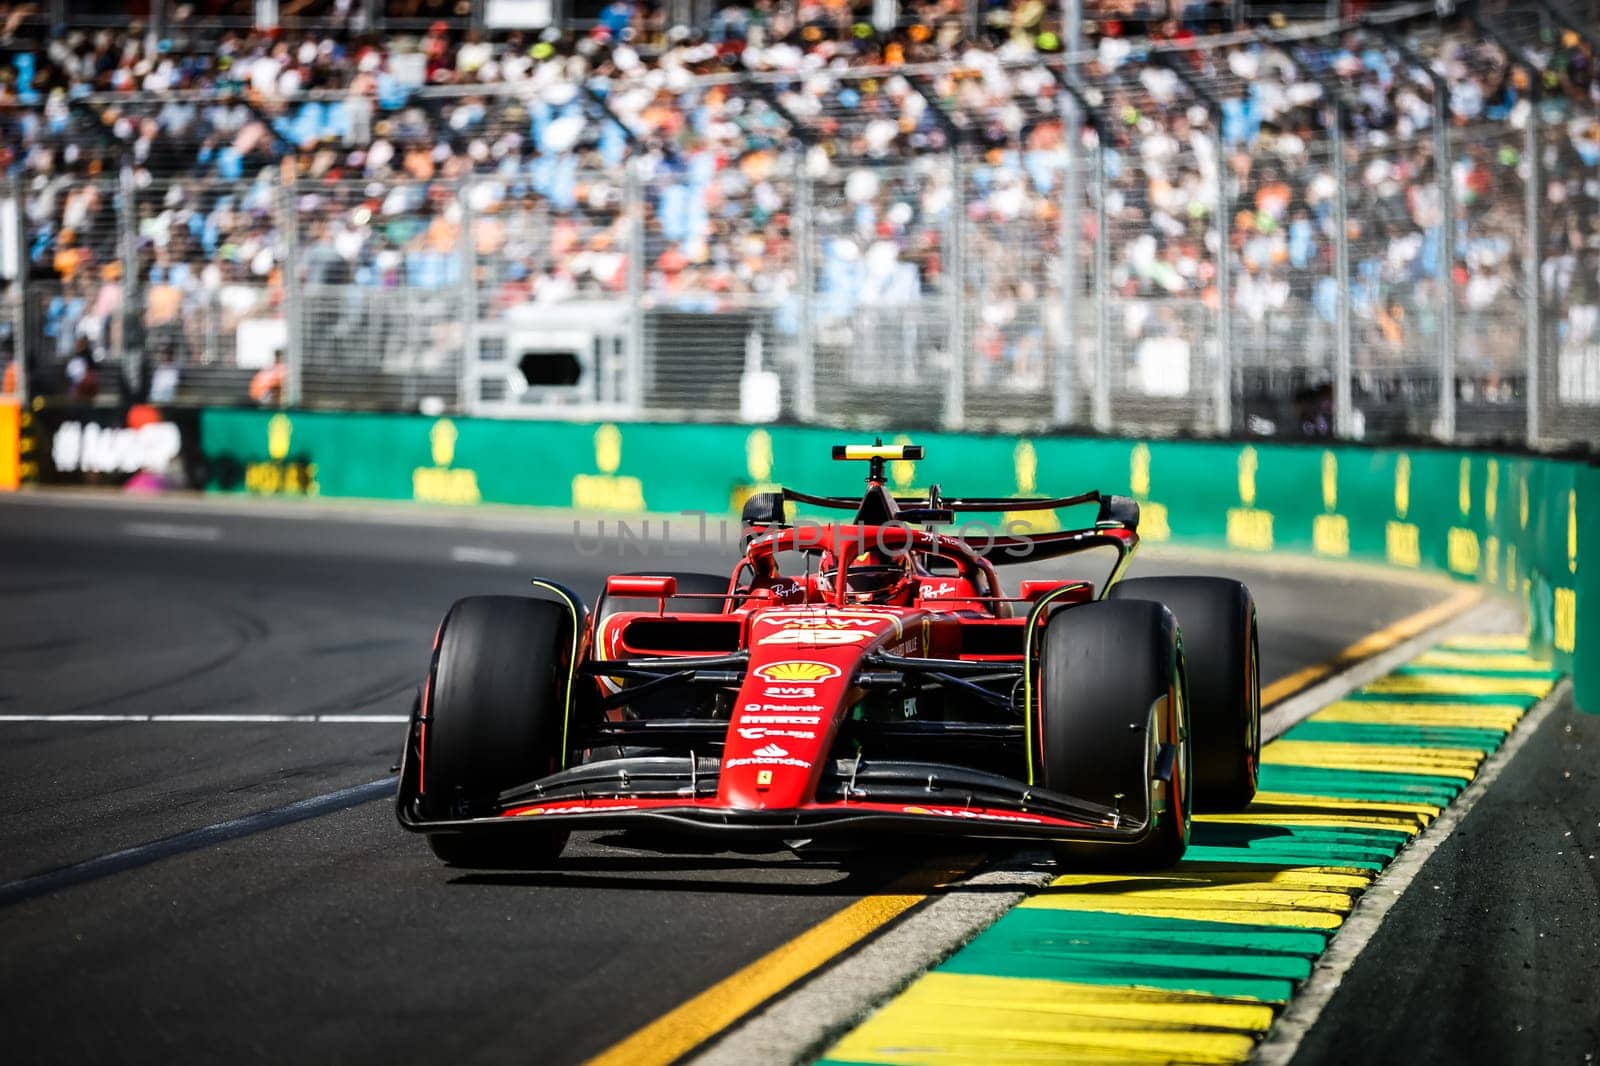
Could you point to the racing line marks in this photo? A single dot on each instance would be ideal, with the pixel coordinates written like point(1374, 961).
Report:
point(1195, 963)
point(194, 839)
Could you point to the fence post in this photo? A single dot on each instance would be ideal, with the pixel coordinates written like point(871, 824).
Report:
point(1224, 384)
point(1343, 415)
point(955, 385)
point(21, 343)
point(1071, 197)
point(132, 354)
point(633, 204)
point(1533, 306)
point(293, 297)
point(1102, 291)
point(466, 384)
point(803, 234)
point(1447, 258)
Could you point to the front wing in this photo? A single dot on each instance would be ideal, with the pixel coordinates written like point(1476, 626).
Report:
point(855, 797)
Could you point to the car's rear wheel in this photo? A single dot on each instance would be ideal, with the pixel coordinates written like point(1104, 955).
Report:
point(1218, 619)
point(496, 710)
point(1111, 725)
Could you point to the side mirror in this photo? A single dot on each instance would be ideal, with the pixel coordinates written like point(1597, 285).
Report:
point(763, 509)
point(1119, 510)
point(1032, 590)
point(623, 586)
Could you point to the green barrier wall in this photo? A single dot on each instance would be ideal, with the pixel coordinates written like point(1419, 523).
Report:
point(1515, 522)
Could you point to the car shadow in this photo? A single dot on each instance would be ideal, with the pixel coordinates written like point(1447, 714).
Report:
point(882, 871)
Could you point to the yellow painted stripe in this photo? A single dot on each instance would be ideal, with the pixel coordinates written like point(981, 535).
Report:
point(1459, 685)
point(1026, 1020)
point(1224, 869)
point(1488, 641)
point(1179, 904)
point(690, 1024)
point(1078, 1046)
point(1452, 762)
point(1378, 641)
point(1196, 895)
point(1471, 715)
point(1268, 804)
point(1467, 660)
point(1219, 874)
point(1401, 824)
point(1069, 998)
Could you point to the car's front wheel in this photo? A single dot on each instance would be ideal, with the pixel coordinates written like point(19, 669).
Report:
point(496, 702)
point(1111, 725)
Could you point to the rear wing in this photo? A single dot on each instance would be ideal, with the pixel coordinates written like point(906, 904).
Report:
point(876, 507)
point(768, 508)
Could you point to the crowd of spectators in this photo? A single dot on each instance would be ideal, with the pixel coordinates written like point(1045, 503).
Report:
point(189, 169)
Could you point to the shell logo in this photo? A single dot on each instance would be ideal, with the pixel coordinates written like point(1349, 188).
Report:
point(797, 670)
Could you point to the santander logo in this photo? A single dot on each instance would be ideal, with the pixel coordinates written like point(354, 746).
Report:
point(771, 751)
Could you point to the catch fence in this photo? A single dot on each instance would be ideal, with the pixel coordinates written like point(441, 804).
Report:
point(1345, 229)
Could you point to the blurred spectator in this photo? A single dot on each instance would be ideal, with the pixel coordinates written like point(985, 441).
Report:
point(266, 387)
point(379, 152)
point(164, 379)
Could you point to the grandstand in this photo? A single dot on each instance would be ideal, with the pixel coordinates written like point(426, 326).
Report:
point(1299, 219)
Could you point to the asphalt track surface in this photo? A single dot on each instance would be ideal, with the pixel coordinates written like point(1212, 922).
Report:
point(329, 935)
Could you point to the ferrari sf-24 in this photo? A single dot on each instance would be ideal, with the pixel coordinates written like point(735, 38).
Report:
point(846, 681)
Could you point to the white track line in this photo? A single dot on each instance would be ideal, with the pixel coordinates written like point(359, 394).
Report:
point(1283, 1039)
point(172, 531)
point(472, 553)
point(248, 719)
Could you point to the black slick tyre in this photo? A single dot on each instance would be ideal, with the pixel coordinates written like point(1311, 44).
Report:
point(1110, 725)
point(496, 705)
point(1217, 617)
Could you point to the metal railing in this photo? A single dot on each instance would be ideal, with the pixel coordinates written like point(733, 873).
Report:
point(1250, 234)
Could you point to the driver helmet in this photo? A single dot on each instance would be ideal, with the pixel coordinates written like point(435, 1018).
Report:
point(874, 576)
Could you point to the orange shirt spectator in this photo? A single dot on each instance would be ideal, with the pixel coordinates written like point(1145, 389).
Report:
point(266, 388)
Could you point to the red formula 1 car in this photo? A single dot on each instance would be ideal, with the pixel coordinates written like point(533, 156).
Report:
point(890, 686)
